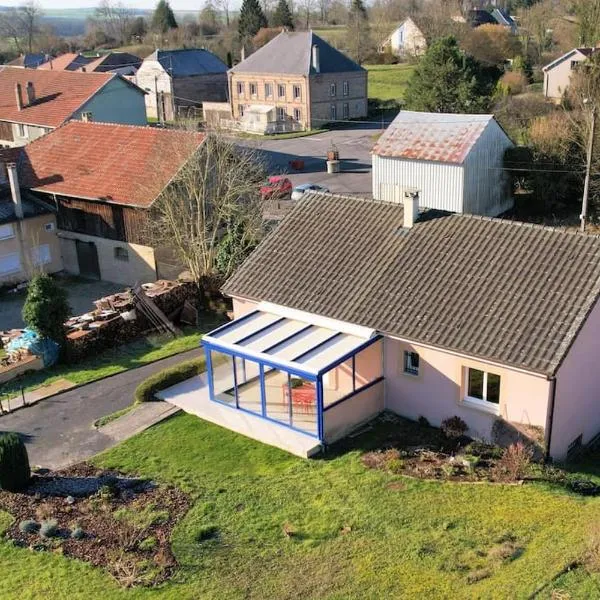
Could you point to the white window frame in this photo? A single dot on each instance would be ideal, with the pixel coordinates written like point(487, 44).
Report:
point(268, 90)
point(346, 88)
point(21, 130)
point(280, 88)
point(332, 112)
point(7, 231)
point(281, 114)
point(253, 86)
point(297, 96)
point(408, 367)
point(241, 88)
point(332, 90)
point(346, 111)
point(11, 255)
point(297, 114)
point(484, 404)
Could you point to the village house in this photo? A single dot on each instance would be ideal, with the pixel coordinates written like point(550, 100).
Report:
point(102, 179)
point(31, 60)
point(354, 306)
point(33, 102)
point(557, 74)
point(406, 40)
point(28, 240)
point(455, 161)
point(123, 63)
point(70, 61)
point(296, 81)
point(178, 82)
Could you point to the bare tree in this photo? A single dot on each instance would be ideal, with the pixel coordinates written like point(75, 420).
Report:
point(212, 208)
point(306, 7)
point(115, 19)
point(20, 25)
point(224, 7)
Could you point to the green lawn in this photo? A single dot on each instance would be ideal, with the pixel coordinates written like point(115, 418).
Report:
point(357, 533)
point(114, 360)
point(388, 82)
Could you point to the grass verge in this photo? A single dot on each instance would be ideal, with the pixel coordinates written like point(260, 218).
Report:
point(102, 421)
point(282, 527)
point(388, 82)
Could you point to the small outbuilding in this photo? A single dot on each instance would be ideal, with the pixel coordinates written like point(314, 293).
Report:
point(455, 161)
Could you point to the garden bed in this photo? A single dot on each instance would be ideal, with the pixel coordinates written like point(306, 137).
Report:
point(118, 523)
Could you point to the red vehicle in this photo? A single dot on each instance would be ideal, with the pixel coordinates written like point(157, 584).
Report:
point(277, 186)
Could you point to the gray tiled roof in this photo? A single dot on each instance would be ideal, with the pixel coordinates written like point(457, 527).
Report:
point(499, 290)
point(188, 62)
point(32, 207)
point(290, 53)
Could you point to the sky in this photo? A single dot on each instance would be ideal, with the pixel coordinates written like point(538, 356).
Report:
point(57, 4)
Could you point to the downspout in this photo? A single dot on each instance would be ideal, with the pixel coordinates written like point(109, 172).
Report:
point(550, 418)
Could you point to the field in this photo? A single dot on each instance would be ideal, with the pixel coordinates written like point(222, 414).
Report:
point(285, 528)
point(388, 82)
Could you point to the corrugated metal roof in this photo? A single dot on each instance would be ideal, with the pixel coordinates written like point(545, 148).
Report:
point(500, 290)
point(290, 53)
point(432, 136)
point(188, 62)
point(32, 207)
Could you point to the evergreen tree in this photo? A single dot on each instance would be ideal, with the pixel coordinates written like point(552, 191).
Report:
point(163, 18)
point(446, 80)
point(359, 36)
point(46, 308)
point(282, 17)
point(252, 18)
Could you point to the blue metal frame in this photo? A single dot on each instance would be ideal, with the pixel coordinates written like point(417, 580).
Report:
point(352, 394)
point(209, 347)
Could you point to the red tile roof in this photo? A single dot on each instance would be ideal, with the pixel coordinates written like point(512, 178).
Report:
point(59, 94)
point(437, 137)
point(61, 63)
point(122, 164)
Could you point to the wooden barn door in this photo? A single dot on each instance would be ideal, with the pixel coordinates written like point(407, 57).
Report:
point(87, 257)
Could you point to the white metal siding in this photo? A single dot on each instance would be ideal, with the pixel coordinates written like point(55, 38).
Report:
point(486, 184)
point(440, 185)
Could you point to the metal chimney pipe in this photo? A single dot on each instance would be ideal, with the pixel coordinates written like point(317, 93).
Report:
point(411, 208)
point(316, 62)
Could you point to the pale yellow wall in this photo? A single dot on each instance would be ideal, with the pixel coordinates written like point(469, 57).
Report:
point(321, 98)
point(140, 267)
point(31, 132)
point(260, 79)
point(29, 233)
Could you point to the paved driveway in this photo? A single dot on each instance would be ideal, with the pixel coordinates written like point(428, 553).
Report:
point(59, 431)
point(354, 145)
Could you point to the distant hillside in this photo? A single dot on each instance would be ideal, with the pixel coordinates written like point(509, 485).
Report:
point(70, 22)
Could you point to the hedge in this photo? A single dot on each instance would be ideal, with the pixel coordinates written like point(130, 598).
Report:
point(146, 391)
point(14, 463)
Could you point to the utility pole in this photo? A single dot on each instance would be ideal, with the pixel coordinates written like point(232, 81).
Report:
point(588, 168)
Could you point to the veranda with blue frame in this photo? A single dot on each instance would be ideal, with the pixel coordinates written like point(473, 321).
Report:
point(268, 383)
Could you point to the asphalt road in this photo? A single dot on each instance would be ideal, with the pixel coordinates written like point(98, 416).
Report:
point(59, 431)
point(354, 145)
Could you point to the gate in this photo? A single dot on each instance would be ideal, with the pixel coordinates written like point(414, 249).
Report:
point(87, 258)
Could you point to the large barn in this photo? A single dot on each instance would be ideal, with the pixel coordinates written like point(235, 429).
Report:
point(455, 162)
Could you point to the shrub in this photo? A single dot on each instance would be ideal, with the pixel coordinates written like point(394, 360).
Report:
point(14, 463)
point(209, 532)
point(512, 83)
point(49, 529)
point(454, 427)
point(29, 526)
point(77, 533)
point(146, 391)
point(514, 464)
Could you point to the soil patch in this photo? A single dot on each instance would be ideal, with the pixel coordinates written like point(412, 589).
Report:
point(119, 523)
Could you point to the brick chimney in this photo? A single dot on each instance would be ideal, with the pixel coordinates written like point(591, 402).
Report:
point(19, 96)
point(411, 207)
point(15, 190)
point(316, 62)
point(30, 89)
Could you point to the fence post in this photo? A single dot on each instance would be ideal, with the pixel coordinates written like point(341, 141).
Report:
point(23, 396)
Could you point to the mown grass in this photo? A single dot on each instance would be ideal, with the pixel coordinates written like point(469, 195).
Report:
point(114, 360)
point(388, 82)
point(352, 533)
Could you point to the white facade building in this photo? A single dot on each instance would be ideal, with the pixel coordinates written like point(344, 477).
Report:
point(456, 162)
point(406, 40)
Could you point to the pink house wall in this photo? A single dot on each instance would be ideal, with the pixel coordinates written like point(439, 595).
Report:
point(577, 398)
point(438, 391)
point(242, 307)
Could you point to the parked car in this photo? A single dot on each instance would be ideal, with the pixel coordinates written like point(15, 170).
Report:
point(302, 189)
point(277, 186)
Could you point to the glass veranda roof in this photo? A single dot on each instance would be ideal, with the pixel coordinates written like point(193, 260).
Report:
point(294, 341)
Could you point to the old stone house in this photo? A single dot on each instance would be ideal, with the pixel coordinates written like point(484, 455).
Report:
point(177, 82)
point(300, 81)
point(406, 40)
point(102, 180)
